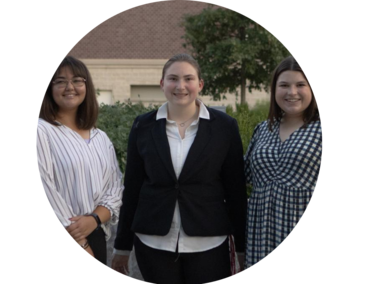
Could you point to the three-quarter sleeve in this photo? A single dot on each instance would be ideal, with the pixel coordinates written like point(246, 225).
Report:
point(111, 198)
point(248, 155)
point(46, 168)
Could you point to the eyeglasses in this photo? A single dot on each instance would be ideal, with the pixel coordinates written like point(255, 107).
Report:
point(76, 82)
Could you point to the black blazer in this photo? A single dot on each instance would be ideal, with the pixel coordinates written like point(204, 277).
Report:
point(210, 190)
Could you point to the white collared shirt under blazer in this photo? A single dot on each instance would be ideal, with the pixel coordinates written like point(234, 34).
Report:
point(77, 175)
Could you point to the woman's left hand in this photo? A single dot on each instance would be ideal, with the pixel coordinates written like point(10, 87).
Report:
point(81, 227)
point(241, 260)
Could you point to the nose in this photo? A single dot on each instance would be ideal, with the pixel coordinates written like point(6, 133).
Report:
point(292, 89)
point(180, 84)
point(69, 85)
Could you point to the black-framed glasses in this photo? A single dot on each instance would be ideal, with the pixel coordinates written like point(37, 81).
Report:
point(76, 82)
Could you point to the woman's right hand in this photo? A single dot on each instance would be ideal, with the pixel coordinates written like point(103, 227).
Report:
point(120, 263)
point(89, 250)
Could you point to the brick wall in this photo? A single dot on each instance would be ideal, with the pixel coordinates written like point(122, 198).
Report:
point(132, 47)
point(149, 31)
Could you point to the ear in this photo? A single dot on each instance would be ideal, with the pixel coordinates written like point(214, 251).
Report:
point(201, 85)
point(161, 83)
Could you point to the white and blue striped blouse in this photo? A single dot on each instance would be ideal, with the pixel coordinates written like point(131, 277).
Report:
point(77, 175)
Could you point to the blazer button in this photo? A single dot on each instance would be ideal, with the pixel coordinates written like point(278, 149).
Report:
point(177, 186)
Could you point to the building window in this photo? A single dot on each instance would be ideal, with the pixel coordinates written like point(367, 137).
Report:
point(147, 93)
point(105, 97)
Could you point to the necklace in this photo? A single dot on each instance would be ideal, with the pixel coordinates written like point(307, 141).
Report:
point(184, 123)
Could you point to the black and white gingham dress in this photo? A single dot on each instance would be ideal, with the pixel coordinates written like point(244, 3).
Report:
point(283, 175)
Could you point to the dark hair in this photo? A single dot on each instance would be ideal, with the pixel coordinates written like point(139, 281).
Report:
point(182, 58)
point(276, 113)
point(88, 110)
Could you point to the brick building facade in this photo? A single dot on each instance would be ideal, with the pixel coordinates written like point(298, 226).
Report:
point(126, 53)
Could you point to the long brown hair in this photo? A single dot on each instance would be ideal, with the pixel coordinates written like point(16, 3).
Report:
point(276, 113)
point(88, 110)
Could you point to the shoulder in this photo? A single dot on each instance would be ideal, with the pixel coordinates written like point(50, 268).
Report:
point(102, 137)
point(145, 119)
point(314, 126)
point(46, 132)
point(44, 126)
point(262, 126)
point(42, 123)
point(101, 133)
point(214, 113)
point(222, 123)
point(221, 117)
point(262, 130)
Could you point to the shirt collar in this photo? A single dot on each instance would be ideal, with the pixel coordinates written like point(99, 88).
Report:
point(203, 113)
point(93, 131)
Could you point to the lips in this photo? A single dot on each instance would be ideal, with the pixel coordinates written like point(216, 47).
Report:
point(292, 100)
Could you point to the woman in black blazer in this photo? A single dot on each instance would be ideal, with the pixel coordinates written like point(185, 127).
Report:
point(184, 186)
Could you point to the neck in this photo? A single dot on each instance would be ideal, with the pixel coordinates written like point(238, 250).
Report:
point(293, 119)
point(180, 114)
point(67, 118)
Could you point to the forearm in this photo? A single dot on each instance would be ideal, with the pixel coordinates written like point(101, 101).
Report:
point(84, 225)
point(103, 213)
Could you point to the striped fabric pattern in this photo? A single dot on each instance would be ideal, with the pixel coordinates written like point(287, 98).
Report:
point(283, 175)
point(77, 175)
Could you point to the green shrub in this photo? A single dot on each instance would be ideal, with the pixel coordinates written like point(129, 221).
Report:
point(117, 120)
point(248, 118)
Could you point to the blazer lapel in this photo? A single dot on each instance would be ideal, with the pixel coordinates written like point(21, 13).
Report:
point(163, 147)
point(202, 138)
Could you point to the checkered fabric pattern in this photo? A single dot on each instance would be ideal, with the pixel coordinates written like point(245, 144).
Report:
point(283, 175)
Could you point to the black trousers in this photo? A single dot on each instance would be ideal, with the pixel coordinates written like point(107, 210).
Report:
point(163, 267)
point(96, 241)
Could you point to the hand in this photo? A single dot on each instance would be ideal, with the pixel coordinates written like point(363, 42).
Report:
point(89, 250)
point(120, 263)
point(81, 227)
point(241, 261)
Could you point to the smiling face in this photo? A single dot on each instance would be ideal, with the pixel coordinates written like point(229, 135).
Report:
point(68, 98)
point(293, 93)
point(181, 84)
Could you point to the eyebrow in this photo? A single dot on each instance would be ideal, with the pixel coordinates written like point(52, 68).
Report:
point(173, 75)
point(280, 82)
point(63, 77)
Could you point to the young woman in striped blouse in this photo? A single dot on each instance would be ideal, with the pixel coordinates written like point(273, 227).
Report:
point(77, 162)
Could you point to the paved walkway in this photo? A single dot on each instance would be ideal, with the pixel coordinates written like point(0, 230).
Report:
point(110, 243)
point(133, 266)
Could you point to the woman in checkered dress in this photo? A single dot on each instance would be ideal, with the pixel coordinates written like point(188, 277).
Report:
point(282, 162)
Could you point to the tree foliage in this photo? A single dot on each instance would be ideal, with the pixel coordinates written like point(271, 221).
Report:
point(233, 51)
